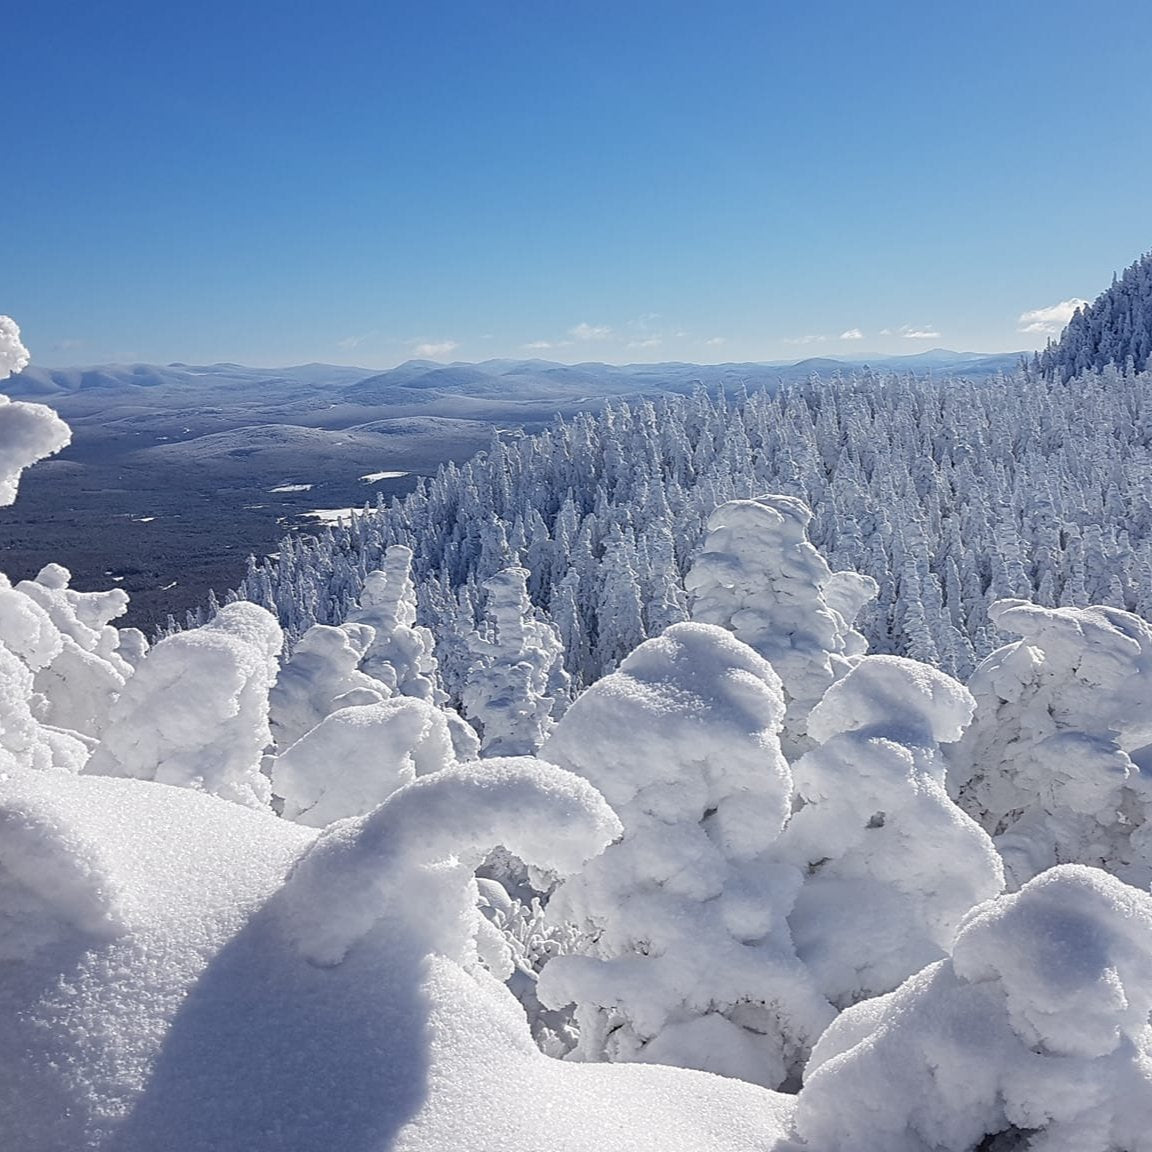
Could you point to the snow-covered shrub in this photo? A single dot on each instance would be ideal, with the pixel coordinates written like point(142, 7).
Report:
point(892, 863)
point(760, 577)
point(690, 959)
point(1055, 763)
point(356, 757)
point(517, 682)
point(401, 655)
point(195, 712)
point(1036, 1027)
point(25, 743)
point(320, 676)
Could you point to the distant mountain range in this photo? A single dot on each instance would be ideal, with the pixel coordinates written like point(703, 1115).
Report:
point(418, 382)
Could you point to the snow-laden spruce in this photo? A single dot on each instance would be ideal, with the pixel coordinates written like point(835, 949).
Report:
point(1035, 1027)
point(85, 676)
point(690, 961)
point(195, 711)
point(891, 863)
point(400, 653)
point(759, 576)
point(1056, 762)
point(516, 685)
point(321, 676)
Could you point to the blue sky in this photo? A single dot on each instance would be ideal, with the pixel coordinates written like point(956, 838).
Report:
point(273, 182)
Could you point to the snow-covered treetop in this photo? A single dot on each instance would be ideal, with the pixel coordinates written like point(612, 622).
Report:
point(1098, 660)
point(686, 725)
point(760, 577)
point(890, 694)
point(28, 432)
point(13, 355)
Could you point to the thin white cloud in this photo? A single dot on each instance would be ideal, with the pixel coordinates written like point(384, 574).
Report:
point(590, 332)
point(434, 351)
point(648, 342)
point(908, 332)
point(1049, 321)
point(716, 341)
point(545, 345)
point(351, 343)
point(852, 334)
point(805, 339)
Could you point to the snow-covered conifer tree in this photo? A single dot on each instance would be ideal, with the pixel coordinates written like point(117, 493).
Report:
point(891, 863)
point(320, 676)
point(689, 958)
point(1035, 1028)
point(517, 676)
point(1054, 764)
point(760, 577)
point(195, 712)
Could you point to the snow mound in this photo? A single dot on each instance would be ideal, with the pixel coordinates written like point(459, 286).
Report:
point(195, 712)
point(356, 757)
point(1036, 1027)
point(159, 997)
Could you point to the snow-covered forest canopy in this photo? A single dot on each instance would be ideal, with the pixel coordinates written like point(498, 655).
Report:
point(765, 771)
point(950, 493)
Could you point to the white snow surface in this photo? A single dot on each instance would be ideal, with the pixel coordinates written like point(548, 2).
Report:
point(1037, 1022)
point(189, 975)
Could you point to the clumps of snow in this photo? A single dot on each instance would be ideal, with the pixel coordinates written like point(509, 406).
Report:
point(26, 629)
point(28, 432)
point(433, 834)
point(516, 683)
point(292, 488)
point(760, 577)
point(321, 676)
point(892, 864)
point(690, 958)
point(1036, 1026)
point(195, 712)
point(1050, 765)
point(14, 356)
point(356, 757)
